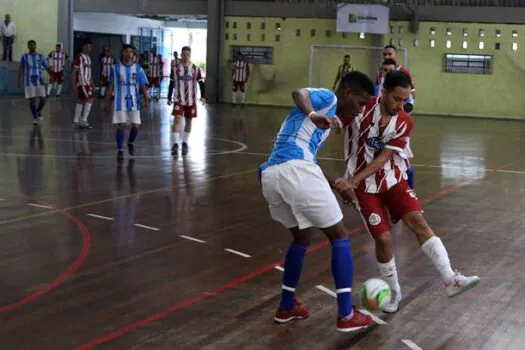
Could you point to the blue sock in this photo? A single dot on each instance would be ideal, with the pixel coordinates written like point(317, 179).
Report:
point(34, 112)
point(41, 105)
point(293, 265)
point(120, 139)
point(410, 175)
point(342, 270)
point(133, 134)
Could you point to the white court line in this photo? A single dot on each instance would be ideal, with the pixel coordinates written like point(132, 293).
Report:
point(100, 217)
point(192, 239)
point(1, 199)
point(148, 227)
point(238, 253)
point(411, 344)
point(334, 294)
point(279, 268)
point(40, 206)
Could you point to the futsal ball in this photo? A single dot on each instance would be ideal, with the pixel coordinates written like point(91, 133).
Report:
point(375, 294)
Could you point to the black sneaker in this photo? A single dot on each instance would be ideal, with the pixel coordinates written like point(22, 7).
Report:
point(120, 155)
point(131, 149)
point(175, 149)
point(184, 148)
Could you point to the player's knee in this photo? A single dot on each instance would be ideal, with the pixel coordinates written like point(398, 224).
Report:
point(418, 224)
point(302, 237)
point(383, 239)
point(121, 127)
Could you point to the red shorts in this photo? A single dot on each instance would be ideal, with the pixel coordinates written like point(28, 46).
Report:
point(238, 85)
point(399, 201)
point(154, 81)
point(185, 111)
point(103, 81)
point(56, 77)
point(85, 93)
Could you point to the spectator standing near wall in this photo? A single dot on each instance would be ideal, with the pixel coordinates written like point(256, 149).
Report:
point(8, 32)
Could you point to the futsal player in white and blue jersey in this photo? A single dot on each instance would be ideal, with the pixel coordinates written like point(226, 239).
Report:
point(30, 73)
point(126, 78)
point(300, 197)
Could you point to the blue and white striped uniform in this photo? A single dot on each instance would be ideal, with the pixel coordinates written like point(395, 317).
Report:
point(126, 81)
point(32, 67)
point(294, 186)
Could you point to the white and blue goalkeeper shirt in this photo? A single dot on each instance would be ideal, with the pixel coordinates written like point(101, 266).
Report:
point(32, 65)
point(298, 137)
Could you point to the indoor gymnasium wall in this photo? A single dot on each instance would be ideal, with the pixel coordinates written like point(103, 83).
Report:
point(272, 84)
point(34, 19)
point(439, 92)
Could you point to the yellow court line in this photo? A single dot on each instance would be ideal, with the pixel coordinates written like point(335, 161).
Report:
point(31, 216)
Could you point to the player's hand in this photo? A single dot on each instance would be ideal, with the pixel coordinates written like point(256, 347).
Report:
point(169, 101)
point(345, 189)
point(321, 121)
point(203, 100)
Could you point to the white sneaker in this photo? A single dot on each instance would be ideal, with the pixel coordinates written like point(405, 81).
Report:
point(393, 305)
point(460, 284)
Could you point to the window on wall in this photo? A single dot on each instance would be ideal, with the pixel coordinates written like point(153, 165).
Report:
point(255, 54)
point(278, 26)
point(482, 33)
point(263, 26)
point(473, 64)
point(464, 45)
point(328, 33)
point(277, 37)
point(298, 32)
point(448, 32)
point(481, 45)
point(432, 43)
point(263, 37)
point(226, 36)
point(432, 30)
point(514, 46)
point(227, 24)
point(392, 29)
point(312, 32)
point(498, 33)
point(401, 42)
point(248, 37)
point(416, 42)
point(514, 33)
point(448, 44)
point(234, 36)
point(361, 35)
point(248, 25)
point(465, 32)
point(344, 35)
point(401, 30)
point(234, 25)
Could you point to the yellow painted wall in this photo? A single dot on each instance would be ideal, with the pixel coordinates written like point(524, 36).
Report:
point(273, 84)
point(34, 19)
point(498, 94)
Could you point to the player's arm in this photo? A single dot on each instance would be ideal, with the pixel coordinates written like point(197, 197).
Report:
point(247, 72)
point(21, 71)
point(109, 91)
point(303, 101)
point(74, 74)
point(143, 81)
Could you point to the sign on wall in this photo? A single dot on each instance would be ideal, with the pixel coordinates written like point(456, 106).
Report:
point(352, 18)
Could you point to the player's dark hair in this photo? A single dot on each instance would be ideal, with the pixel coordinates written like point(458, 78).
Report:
point(396, 78)
point(356, 80)
point(87, 42)
point(347, 56)
point(127, 46)
point(186, 48)
point(389, 62)
point(391, 47)
point(31, 42)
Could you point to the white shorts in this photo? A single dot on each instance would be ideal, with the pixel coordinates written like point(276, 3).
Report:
point(32, 91)
point(408, 150)
point(299, 195)
point(123, 117)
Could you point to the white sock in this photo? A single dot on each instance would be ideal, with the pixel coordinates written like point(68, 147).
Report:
point(49, 87)
point(87, 109)
point(59, 89)
point(78, 112)
point(176, 137)
point(185, 137)
point(389, 272)
point(436, 251)
point(243, 97)
point(234, 97)
point(103, 91)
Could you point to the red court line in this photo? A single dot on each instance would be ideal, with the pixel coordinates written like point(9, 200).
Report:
point(189, 302)
point(79, 261)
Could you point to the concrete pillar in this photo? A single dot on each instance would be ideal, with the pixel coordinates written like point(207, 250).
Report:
point(65, 25)
point(215, 44)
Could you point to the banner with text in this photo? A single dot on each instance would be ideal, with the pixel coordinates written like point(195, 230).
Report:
point(352, 18)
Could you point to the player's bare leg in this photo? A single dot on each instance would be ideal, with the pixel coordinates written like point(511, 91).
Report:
point(432, 246)
point(349, 318)
point(176, 130)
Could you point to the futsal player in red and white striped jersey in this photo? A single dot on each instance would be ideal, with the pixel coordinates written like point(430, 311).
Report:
point(174, 63)
point(240, 75)
point(154, 72)
point(376, 171)
point(106, 63)
point(83, 86)
point(57, 62)
point(187, 77)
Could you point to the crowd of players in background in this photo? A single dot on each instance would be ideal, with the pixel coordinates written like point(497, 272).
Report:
point(129, 80)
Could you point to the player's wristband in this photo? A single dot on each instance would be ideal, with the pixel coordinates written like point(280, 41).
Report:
point(312, 113)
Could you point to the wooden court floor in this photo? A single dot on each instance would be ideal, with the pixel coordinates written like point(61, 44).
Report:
point(165, 252)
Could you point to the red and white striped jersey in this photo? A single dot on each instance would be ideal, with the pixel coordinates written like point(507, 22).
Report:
point(83, 63)
point(174, 63)
point(57, 60)
point(186, 78)
point(241, 71)
point(365, 139)
point(106, 62)
point(154, 66)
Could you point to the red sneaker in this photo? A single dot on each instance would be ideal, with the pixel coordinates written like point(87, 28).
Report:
point(358, 321)
point(298, 312)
